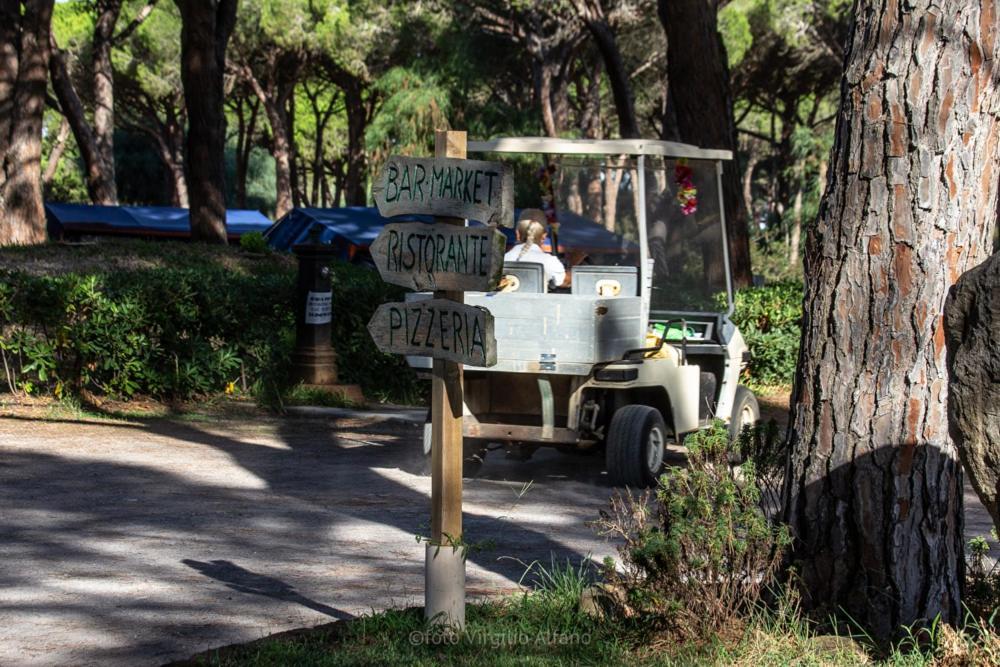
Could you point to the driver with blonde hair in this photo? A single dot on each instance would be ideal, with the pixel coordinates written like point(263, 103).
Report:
point(530, 236)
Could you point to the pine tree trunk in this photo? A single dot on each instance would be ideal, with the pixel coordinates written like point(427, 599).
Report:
point(281, 149)
point(56, 154)
point(104, 90)
point(24, 62)
point(621, 88)
point(355, 190)
point(99, 189)
point(206, 27)
point(700, 97)
point(874, 493)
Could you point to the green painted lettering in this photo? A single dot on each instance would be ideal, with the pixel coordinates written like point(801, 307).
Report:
point(477, 339)
point(391, 189)
point(490, 175)
point(456, 330)
point(395, 323)
point(416, 327)
point(404, 184)
point(420, 174)
point(429, 337)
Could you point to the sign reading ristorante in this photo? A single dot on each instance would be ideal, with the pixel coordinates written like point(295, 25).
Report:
point(451, 187)
point(439, 256)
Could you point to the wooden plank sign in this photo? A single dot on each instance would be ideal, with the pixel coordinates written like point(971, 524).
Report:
point(451, 187)
point(438, 328)
point(440, 256)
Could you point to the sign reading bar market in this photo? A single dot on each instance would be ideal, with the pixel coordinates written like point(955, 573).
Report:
point(451, 187)
point(439, 256)
point(438, 328)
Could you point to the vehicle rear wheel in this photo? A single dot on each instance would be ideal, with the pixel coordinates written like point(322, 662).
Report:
point(636, 439)
point(746, 414)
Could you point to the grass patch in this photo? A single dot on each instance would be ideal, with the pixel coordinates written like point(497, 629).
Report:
point(538, 628)
point(316, 396)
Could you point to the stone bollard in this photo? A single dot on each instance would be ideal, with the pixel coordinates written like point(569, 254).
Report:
point(314, 361)
point(972, 334)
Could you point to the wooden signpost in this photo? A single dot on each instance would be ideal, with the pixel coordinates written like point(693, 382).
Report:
point(448, 186)
point(449, 258)
point(440, 256)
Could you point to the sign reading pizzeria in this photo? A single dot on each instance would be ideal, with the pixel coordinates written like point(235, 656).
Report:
point(438, 328)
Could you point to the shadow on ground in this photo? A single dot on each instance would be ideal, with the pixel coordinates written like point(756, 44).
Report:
point(136, 543)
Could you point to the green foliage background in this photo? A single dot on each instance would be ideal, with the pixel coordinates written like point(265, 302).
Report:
point(769, 318)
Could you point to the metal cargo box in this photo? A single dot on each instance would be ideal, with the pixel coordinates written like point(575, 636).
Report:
point(556, 333)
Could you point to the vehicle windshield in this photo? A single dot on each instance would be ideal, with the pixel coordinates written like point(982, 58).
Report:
point(595, 202)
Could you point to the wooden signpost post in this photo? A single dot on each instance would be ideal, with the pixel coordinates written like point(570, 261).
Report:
point(449, 258)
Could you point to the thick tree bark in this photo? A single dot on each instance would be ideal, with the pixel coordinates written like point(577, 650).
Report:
point(702, 104)
point(207, 25)
point(972, 321)
point(24, 55)
point(874, 489)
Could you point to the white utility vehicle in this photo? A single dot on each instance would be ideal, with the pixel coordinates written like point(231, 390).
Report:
point(640, 350)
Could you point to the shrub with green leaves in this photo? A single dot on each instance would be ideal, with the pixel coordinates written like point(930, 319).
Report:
point(254, 242)
point(769, 318)
point(699, 552)
point(171, 323)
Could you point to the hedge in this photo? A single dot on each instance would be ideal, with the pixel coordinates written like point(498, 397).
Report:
point(174, 321)
point(201, 326)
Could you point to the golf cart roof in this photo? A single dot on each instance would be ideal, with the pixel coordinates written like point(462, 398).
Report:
point(670, 149)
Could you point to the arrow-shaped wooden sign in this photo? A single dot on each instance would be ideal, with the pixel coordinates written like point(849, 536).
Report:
point(440, 256)
point(438, 328)
point(470, 189)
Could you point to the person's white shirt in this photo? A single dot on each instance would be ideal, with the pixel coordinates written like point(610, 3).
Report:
point(555, 273)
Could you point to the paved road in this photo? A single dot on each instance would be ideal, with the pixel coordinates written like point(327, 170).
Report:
point(142, 542)
point(137, 543)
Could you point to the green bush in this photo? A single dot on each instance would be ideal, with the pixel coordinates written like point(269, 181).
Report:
point(197, 328)
point(254, 242)
point(770, 320)
point(696, 556)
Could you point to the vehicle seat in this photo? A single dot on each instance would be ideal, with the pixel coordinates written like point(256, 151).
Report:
point(524, 277)
point(606, 281)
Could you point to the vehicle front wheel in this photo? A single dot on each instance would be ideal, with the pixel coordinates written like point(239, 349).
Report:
point(636, 439)
point(746, 414)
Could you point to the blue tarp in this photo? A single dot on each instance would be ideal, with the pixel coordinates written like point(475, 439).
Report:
point(354, 228)
point(343, 228)
point(141, 220)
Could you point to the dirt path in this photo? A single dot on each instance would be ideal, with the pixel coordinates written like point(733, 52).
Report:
point(134, 543)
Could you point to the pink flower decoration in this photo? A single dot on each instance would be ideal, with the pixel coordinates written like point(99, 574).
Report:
point(687, 193)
